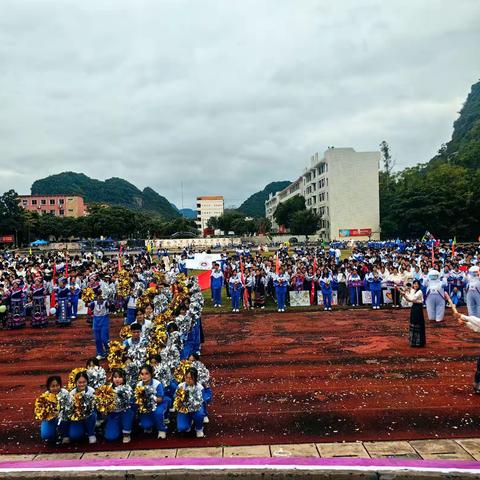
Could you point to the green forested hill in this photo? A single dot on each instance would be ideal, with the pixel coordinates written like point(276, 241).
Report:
point(113, 191)
point(254, 206)
point(443, 195)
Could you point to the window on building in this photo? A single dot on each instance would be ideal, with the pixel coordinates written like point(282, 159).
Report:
point(62, 212)
point(52, 211)
point(70, 210)
point(43, 201)
point(44, 211)
point(52, 201)
point(34, 202)
point(24, 202)
point(61, 201)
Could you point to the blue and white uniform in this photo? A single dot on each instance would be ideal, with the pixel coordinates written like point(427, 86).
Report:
point(435, 296)
point(473, 292)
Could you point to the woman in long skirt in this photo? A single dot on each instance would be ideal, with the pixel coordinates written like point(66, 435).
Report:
point(16, 311)
point(39, 310)
point(417, 322)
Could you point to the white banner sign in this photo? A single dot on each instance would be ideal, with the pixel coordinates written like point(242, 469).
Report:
point(202, 261)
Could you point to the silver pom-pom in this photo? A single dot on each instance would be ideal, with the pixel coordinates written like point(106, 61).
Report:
point(132, 371)
point(203, 373)
point(65, 405)
point(123, 399)
point(194, 398)
point(96, 377)
point(163, 374)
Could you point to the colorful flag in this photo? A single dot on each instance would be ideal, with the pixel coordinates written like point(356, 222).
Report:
point(66, 265)
point(245, 291)
point(120, 258)
point(312, 290)
point(53, 299)
point(433, 254)
point(277, 264)
point(454, 243)
point(204, 280)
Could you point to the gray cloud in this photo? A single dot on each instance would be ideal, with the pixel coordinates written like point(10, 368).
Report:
point(225, 96)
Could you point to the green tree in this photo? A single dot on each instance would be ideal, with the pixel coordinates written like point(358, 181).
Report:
point(284, 212)
point(304, 222)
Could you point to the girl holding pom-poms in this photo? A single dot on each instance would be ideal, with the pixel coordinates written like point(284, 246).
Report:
point(48, 409)
point(84, 415)
point(189, 404)
point(120, 419)
point(150, 402)
point(204, 380)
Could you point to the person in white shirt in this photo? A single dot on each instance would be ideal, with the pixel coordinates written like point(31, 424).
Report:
point(417, 322)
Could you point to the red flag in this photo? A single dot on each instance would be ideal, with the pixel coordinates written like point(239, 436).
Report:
point(53, 299)
point(120, 258)
point(277, 264)
point(204, 280)
point(433, 254)
point(312, 291)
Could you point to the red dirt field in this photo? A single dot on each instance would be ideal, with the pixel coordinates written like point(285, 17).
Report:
point(279, 378)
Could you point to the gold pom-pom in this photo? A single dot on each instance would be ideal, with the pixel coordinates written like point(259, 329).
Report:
point(105, 399)
point(88, 295)
point(46, 406)
point(123, 287)
point(144, 398)
point(181, 370)
point(71, 377)
point(125, 332)
point(116, 355)
point(180, 399)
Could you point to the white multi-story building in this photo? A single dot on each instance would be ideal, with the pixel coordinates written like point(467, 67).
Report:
point(343, 188)
point(208, 207)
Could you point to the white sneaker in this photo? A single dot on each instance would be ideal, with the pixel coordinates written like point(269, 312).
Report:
point(126, 438)
point(279, 310)
point(206, 419)
point(99, 357)
point(166, 421)
point(199, 433)
point(92, 439)
point(162, 435)
point(65, 440)
point(263, 308)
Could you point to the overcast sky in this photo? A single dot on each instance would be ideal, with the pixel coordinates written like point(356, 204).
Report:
point(225, 95)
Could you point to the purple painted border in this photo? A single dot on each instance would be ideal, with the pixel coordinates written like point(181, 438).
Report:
point(242, 462)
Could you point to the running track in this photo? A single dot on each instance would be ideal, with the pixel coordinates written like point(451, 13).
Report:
point(280, 378)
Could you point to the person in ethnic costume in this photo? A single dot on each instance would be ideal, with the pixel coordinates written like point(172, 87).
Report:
point(63, 303)
point(39, 310)
point(16, 312)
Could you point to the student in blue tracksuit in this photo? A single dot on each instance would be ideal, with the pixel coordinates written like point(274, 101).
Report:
point(374, 281)
point(74, 296)
point(327, 290)
point(131, 308)
point(195, 417)
point(86, 426)
point(236, 289)
point(216, 284)
point(51, 430)
point(354, 287)
point(280, 282)
point(101, 325)
point(120, 421)
point(157, 417)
